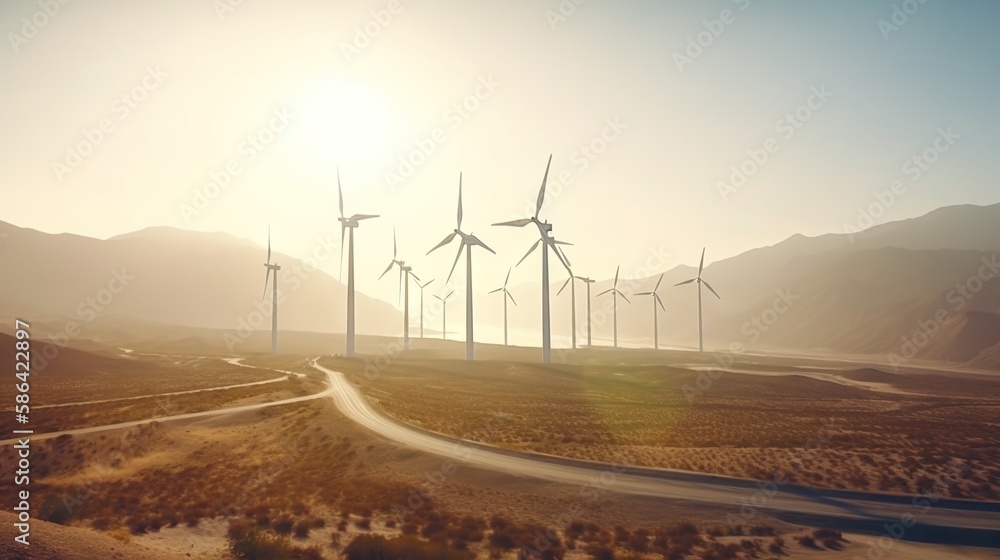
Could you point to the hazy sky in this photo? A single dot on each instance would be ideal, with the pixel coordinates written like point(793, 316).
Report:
point(201, 77)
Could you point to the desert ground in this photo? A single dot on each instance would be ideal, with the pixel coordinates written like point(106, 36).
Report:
point(302, 480)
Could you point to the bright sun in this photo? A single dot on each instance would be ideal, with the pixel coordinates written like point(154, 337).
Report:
point(343, 120)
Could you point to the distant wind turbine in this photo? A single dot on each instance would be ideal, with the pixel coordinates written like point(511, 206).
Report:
point(656, 300)
point(544, 230)
point(444, 313)
point(405, 272)
point(615, 294)
point(700, 281)
point(422, 286)
point(572, 289)
point(467, 241)
point(274, 293)
point(349, 224)
point(590, 317)
point(506, 294)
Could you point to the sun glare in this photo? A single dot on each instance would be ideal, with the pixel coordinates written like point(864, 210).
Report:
point(343, 120)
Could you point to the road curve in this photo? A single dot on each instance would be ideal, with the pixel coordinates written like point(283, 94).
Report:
point(800, 502)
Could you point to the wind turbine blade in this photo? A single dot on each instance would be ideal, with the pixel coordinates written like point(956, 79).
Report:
point(266, 279)
point(659, 301)
point(685, 282)
point(605, 292)
point(710, 289)
point(533, 247)
point(479, 242)
point(454, 264)
point(459, 201)
point(563, 259)
point(394, 243)
point(496, 290)
point(511, 297)
point(340, 193)
point(701, 265)
point(541, 191)
point(515, 223)
point(415, 277)
point(623, 297)
point(566, 283)
point(508, 278)
point(268, 243)
point(645, 294)
point(446, 241)
point(616, 275)
point(427, 284)
point(399, 291)
point(658, 283)
point(438, 297)
point(557, 242)
point(359, 217)
point(387, 269)
point(449, 294)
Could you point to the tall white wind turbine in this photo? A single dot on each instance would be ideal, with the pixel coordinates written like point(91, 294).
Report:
point(506, 295)
point(274, 293)
point(656, 300)
point(700, 281)
point(405, 272)
point(466, 241)
point(615, 294)
point(590, 317)
point(349, 224)
point(422, 286)
point(544, 230)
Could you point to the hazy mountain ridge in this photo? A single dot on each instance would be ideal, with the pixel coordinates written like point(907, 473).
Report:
point(173, 277)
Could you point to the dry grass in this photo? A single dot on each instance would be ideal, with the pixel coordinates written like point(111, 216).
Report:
point(802, 430)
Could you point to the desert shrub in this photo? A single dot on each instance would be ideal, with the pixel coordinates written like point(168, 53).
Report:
point(302, 529)
point(137, 525)
point(807, 541)
point(377, 547)
point(251, 543)
point(364, 524)
point(777, 546)
point(600, 552)
point(283, 526)
point(762, 531)
point(54, 510)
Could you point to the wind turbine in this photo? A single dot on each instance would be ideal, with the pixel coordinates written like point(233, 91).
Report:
point(467, 241)
point(444, 313)
point(656, 300)
point(572, 290)
point(506, 294)
point(544, 230)
point(590, 317)
point(422, 286)
point(405, 272)
point(615, 294)
point(349, 224)
point(274, 293)
point(698, 279)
